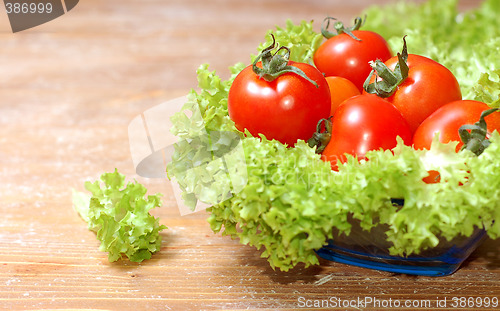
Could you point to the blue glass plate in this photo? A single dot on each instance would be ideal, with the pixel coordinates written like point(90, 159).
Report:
point(369, 249)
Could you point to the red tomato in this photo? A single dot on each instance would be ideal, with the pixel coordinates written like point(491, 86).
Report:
point(340, 90)
point(363, 123)
point(286, 109)
point(429, 85)
point(449, 118)
point(346, 57)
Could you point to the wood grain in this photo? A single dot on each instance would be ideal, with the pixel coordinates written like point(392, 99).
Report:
point(69, 89)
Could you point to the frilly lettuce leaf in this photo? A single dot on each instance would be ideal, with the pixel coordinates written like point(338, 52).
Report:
point(205, 112)
point(119, 215)
point(293, 201)
point(301, 39)
point(208, 107)
point(487, 88)
point(288, 206)
point(208, 113)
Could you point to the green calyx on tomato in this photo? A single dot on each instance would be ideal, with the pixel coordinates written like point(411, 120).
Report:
point(475, 136)
point(340, 28)
point(322, 136)
point(275, 65)
point(390, 80)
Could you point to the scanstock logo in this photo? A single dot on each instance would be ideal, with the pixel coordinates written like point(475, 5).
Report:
point(25, 14)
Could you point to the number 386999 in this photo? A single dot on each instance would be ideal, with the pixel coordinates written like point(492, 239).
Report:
point(28, 8)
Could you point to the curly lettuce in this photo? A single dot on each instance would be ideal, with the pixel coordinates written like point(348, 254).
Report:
point(119, 215)
point(292, 201)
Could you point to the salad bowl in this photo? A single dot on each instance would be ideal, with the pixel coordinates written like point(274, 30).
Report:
point(370, 249)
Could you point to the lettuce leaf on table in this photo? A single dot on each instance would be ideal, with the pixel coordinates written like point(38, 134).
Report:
point(293, 200)
point(119, 215)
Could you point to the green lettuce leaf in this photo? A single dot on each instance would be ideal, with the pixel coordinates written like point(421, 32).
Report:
point(193, 164)
point(119, 215)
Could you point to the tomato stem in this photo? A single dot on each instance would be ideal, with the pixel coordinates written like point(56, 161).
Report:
point(340, 28)
point(322, 136)
point(386, 81)
point(474, 136)
point(274, 65)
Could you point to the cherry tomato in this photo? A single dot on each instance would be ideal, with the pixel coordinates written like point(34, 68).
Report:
point(363, 123)
point(346, 57)
point(449, 118)
point(340, 90)
point(286, 109)
point(429, 85)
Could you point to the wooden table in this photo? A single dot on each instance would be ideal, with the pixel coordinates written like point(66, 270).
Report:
point(68, 90)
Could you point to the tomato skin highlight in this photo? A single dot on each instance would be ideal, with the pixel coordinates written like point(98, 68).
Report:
point(340, 90)
point(346, 57)
point(449, 118)
point(286, 109)
point(363, 123)
point(429, 85)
